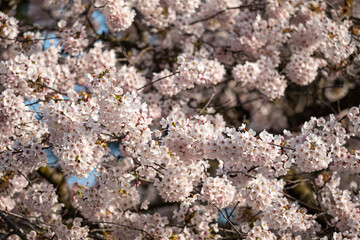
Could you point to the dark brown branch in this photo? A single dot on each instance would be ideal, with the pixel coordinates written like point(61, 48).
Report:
point(222, 11)
point(12, 225)
point(242, 172)
point(55, 90)
point(228, 220)
point(126, 226)
point(157, 80)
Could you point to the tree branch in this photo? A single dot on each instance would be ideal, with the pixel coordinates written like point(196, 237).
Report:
point(12, 225)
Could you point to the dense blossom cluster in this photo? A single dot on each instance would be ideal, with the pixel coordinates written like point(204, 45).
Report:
point(74, 232)
point(187, 138)
point(94, 61)
point(8, 29)
point(302, 69)
point(166, 87)
point(157, 13)
point(74, 39)
point(130, 78)
point(175, 113)
point(123, 114)
point(25, 157)
point(13, 113)
point(218, 191)
point(77, 152)
point(320, 143)
point(201, 72)
point(262, 76)
point(200, 217)
point(114, 189)
point(344, 211)
point(175, 186)
point(185, 6)
point(336, 43)
point(354, 117)
point(179, 181)
point(36, 75)
point(119, 15)
point(41, 198)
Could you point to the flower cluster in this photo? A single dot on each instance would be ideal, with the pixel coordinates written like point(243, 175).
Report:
point(152, 226)
point(175, 186)
point(312, 153)
point(185, 102)
point(11, 183)
point(35, 75)
point(319, 144)
point(156, 13)
point(201, 72)
point(247, 74)
point(306, 38)
point(218, 191)
point(259, 231)
point(13, 113)
point(187, 138)
point(265, 195)
point(119, 15)
point(336, 43)
point(130, 78)
point(115, 190)
point(78, 150)
point(177, 182)
point(166, 87)
point(261, 192)
point(354, 117)
point(74, 39)
point(95, 61)
point(283, 215)
point(120, 192)
point(41, 198)
point(302, 69)
point(121, 113)
point(261, 152)
point(344, 209)
point(25, 157)
point(201, 217)
point(185, 6)
point(262, 76)
point(8, 29)
point(73, 230)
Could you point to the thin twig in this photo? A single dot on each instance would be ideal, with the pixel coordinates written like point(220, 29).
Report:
point(12, 225)
point(284, 147)
point(157, 80)
point(221, 12)
point(209, 101)
point(123, 225)
point(28, 40)
point(227, 219)
point(55, 90)
point(301, 202)
point(233, 210)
